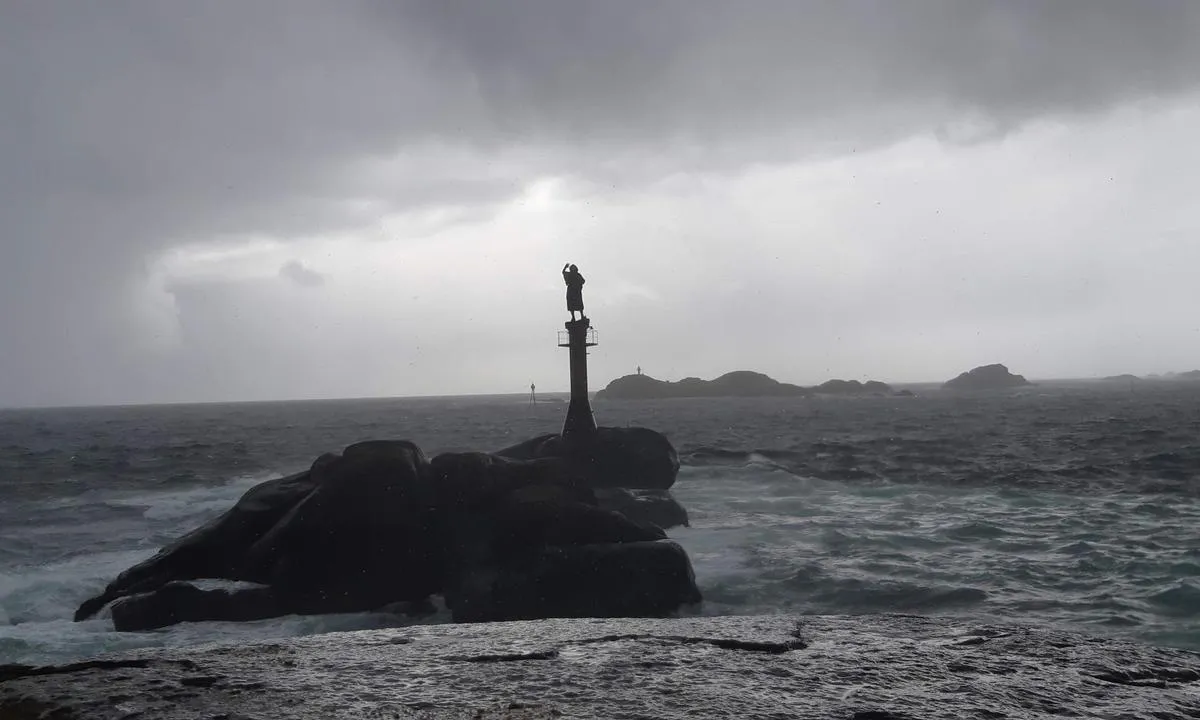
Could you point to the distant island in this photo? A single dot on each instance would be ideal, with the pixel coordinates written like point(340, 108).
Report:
point(987, 377)
point(740, 383)
point(1124, 378)
point(851, 387)
point(1189, 376)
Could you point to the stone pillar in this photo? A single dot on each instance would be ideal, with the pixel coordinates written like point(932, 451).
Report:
point(580, 422)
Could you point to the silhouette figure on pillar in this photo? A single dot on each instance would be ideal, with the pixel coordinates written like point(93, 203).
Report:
point(574, 283)
point(580, 424)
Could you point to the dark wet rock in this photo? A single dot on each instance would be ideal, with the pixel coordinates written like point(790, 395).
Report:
point(484, 503)
point(867, 666)
point(481, 543)
point(379, 525)
point(178, 602)
point(637, 579)
point(351, 533)
point(14, 672)
point(642, 579)
point(216, 549)
point(625, 457)
point(987, 377)
point(658, 507)
point(525, 526)
point(363, 538)
point(483, 479)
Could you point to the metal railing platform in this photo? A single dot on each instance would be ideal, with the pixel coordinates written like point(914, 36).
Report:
point(564, 338)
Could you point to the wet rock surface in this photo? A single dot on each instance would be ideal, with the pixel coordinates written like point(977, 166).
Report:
point(380, 524)
point(658, 507)
point(182, 602)
point(615, 457)
point(218, 548)
point(860, 667)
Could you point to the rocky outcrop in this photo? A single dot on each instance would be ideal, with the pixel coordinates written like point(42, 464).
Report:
point(361, 538)
point(499, 531)
point(852, 387)
point(864, 667)
point(648, 506)
point(217, 549)
point(634, 579)
point(178, 602)
point(987, 377)
point(380, 525)
point(615, 457)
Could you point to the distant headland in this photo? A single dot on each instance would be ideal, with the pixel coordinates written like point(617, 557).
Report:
point(987, 377)
point(1189, 376)
point(740, 383)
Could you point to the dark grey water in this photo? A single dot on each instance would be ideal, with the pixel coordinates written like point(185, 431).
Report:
point(1075, 507)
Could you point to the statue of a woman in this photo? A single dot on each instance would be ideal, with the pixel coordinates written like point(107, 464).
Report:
point(574, 283)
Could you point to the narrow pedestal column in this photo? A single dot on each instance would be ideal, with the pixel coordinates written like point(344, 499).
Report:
point(580, 422)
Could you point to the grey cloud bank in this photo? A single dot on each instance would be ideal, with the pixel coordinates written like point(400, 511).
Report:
point(133, 128)
point(300, 274)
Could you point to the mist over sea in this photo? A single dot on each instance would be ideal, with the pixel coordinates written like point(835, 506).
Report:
point(1074, 506)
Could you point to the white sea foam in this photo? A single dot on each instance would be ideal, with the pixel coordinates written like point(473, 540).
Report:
point(191, 502)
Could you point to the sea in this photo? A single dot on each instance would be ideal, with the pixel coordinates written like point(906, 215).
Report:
point(1072, 506)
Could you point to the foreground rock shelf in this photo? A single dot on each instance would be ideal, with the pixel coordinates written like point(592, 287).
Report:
point(860, 668)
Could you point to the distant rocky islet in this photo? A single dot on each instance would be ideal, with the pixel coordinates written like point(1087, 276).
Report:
point(747, 383)
point(1189, 376)
point(987, 377)
point(740, 383)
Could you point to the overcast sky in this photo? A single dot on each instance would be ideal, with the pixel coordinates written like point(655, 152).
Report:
point(304, 198)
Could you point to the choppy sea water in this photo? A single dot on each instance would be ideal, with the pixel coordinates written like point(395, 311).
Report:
point(1076, 507)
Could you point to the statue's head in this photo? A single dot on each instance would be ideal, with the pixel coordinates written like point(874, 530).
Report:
point(574, 269)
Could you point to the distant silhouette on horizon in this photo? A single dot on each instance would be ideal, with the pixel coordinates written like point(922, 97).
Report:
point(574, 283)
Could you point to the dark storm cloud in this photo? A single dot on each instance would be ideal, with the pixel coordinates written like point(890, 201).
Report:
point(630, 71)
point(128, 127)
point(302, 275)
